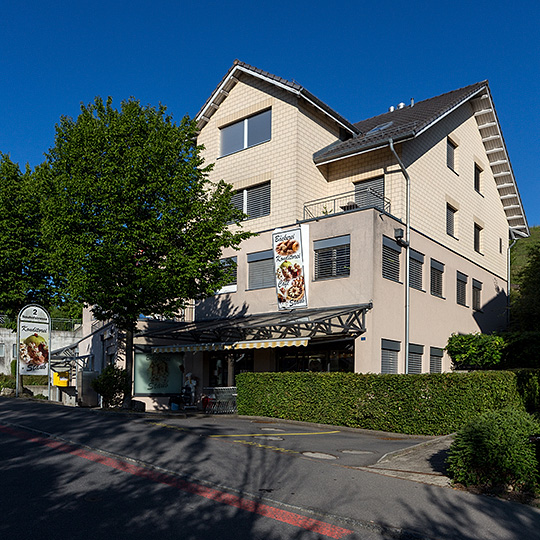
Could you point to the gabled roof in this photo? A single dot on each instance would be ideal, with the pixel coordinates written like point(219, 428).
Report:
point(235, 72)
point(400, 124)
point(408, 122)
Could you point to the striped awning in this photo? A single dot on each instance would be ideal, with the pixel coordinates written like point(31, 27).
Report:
point(237, 345)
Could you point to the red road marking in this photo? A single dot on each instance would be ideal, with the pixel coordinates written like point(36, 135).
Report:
point(297, 520)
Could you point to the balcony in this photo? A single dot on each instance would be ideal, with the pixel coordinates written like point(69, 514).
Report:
point(360, 199)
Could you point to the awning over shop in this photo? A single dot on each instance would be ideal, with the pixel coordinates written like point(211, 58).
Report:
point(282, 329)
point(254, 344)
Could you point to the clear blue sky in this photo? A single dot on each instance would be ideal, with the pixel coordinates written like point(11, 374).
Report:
point(358, 57)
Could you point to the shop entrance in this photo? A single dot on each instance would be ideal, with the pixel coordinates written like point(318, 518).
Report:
point(220, 361)
point(335, 356)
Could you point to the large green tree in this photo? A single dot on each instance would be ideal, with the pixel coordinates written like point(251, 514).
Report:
point(24, 277)
point(526, 299)
point(136, 225)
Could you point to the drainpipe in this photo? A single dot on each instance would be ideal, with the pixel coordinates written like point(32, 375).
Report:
point(407, 250)
point(508, 278)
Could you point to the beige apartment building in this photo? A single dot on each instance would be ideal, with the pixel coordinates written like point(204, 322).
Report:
point(422, 194)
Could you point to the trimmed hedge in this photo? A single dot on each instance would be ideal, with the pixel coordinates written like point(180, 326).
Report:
point(428, 404)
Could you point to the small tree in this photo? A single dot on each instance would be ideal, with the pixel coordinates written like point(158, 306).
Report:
point(112, 384)
point(136, 225)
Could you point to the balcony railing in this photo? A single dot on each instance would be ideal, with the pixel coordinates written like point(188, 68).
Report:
point(346, 202)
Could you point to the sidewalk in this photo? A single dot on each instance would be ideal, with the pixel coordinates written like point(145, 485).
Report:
point(424, 462)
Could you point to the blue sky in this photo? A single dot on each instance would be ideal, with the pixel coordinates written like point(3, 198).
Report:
point(358, 57)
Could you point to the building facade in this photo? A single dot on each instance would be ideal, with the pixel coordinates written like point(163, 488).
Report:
point(423, 195)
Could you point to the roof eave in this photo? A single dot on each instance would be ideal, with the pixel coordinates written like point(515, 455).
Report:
point(215, 99)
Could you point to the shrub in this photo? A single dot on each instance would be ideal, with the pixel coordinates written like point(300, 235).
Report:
point(493, 451)
point(7, 381)
point(111, 384)
point(428, 404)
point(475, 351)
point(528, 386)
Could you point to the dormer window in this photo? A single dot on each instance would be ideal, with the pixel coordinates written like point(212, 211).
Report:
point(246, 133)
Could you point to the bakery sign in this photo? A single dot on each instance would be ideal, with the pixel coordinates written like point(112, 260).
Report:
point(33, 339)
point(289, 269)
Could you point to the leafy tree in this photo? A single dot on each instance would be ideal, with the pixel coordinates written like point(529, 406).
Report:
point(136, 225)
point(24, 277)
point(526, 303)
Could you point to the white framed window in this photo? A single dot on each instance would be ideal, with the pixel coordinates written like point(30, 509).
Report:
point(389, 355)
point(2, 349)
point(435, 359)
point(246, 133)
point(261, 272)
point(391, 252)
point(230, 263)
point(436, 278)
point(253, 201)
point(416, 269)
point(461, 289)
point(332, 257)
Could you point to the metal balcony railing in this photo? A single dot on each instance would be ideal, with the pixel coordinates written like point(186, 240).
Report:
point(360, 199)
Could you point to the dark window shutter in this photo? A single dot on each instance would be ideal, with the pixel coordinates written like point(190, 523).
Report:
point(390, 263)
point(258, 201)
point(261, 274)
point(370, 193)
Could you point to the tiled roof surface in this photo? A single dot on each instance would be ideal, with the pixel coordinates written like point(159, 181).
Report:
point(398, 124)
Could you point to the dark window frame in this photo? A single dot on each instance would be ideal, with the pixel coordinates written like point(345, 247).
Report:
point(451, 148)
point(391, 263)
point(478, 238)
point(476, 295)
point(436, 278)
point(261, 262)
point(257, 197)
point(389, 356)
point(332, 258)
point(416, 270)
point(478, 177)
point(451, 220)
point(245, 126)
point(461, 289)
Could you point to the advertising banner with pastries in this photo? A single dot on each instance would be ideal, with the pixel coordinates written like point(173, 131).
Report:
point(289, 269)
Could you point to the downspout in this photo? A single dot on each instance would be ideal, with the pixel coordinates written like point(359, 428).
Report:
point(508, 278)
point(407, 250)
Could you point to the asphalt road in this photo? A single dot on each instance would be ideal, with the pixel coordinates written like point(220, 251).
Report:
point(77, 473)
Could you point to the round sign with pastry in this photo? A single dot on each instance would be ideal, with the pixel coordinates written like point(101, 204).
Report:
point(296, 291)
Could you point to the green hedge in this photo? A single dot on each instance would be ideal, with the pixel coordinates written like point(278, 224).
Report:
point(429, 404)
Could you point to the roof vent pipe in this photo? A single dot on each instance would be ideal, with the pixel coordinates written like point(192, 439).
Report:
point(391, 108)
point(412, 102)
point(401, 105)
